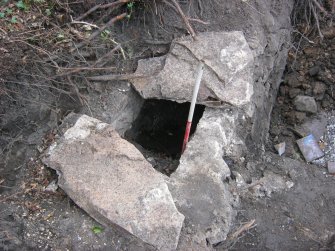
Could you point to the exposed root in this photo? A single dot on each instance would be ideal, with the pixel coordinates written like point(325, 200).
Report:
point(184, 18)
point(98, 32)
point(102, 6)
point(308, 13)
point(247, 226)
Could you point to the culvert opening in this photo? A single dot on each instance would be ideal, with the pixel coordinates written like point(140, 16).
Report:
point(159, 129)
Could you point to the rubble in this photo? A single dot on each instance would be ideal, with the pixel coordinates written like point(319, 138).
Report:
point(310, 148)
point(305, 104)
point(111, 180)
point(280, 148)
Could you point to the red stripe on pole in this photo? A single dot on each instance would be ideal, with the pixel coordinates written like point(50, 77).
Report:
point(187, 135)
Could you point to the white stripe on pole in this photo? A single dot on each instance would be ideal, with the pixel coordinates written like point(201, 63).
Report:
point(200, 71)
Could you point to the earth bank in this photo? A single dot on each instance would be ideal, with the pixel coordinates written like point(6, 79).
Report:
point(34, 218)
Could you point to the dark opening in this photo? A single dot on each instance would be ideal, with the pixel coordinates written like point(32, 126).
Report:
point(159, 129)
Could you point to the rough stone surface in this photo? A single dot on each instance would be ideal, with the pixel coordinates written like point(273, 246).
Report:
point(293, 81)
point(198, 185)
point(305, 104)
point(319, 90)
point(314, 71)
point(330, 139)
point(266, 28)
point(110, 179)
point(227, 74)
point(294, 92)
point(117, 105)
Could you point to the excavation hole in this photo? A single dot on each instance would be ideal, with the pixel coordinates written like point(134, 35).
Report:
point(159, 129)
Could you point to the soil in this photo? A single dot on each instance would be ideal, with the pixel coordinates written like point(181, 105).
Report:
point(301, 217)
point(36, 216)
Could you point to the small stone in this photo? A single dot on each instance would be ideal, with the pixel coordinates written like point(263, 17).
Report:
point(325, 103)
point(290, 118)
point(300, 116)
point(308, 92)
point(319, 90)
point(310, 148)
point(305, 104)
point(280, 148)
point(314, 71)
point(292, 80)
point(331, 167)
point(52, 187)
point(275, 130)
point(294, 92)
point(289, 184)
point(306, 86)
point(239, 179)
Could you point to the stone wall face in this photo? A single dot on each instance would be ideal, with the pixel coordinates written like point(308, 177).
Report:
point(244, 53)
point(243, 66)
point(266, 26)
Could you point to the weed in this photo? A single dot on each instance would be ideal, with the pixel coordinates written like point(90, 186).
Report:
point(21, 5)
point(13, 20)
point(97, 230)
point(105, 34)
point(130, 8)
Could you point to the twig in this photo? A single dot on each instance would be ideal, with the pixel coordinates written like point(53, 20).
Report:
point(3, 31)
point(157, 42)
point(187, 23)
point(303, 36)
point(252, 7)
point(76, 90)
point(317, 21)
point(116, 77)
point(320, 7)
point(102, 6)
point(69, 71)
point(107, 55)
point(38, 49)
point(97, 33)
point(88, 12)
point(11, 195)
point(252, 185)
point(242, 229)
point(85, 23)
point(198, 20)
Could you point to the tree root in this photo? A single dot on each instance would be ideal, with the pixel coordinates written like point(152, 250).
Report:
point(102, 6)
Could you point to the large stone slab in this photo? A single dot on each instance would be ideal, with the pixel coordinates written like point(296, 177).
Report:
point(228, 71)
point(198, 185)
point(111, 180)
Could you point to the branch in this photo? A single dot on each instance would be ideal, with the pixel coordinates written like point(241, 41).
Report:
point(317, 4)
point(116, 77)
point(97, 33)
point(187, 23)
point(242, 229)
point(102, 6)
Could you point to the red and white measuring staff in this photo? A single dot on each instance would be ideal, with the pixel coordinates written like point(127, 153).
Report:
point(200, 71)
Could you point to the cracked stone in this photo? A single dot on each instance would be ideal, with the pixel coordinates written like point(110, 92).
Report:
point(228, 71)
point(111, 180)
